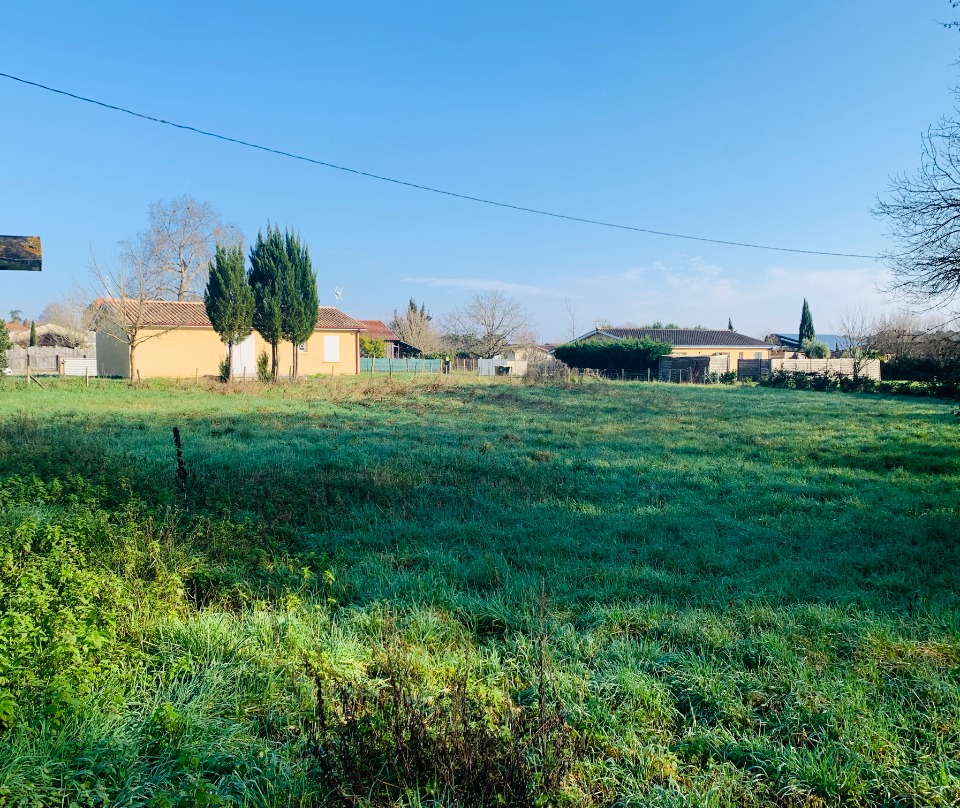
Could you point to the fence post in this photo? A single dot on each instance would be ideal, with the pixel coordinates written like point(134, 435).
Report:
point(28, 368)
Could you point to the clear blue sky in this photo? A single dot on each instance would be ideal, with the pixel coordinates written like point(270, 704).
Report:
point(752, 121)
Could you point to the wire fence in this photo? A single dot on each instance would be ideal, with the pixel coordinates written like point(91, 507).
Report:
point(404, 365)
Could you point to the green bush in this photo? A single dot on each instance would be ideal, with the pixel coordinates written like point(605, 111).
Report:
point(371, 348)
point(263, 367)
point(814, 349)
point(225, 369)
point(628, 354)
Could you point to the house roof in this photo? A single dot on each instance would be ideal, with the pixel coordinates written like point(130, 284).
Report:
point(193, 314)
point(20, 252)
point(377, 329)
point(683, 337)
point(833, 341)
point(17, 327)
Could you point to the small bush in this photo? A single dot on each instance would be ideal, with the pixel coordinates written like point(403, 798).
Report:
point(730, 377)
point(814, 349)
point(263, 367)
point(225, 369)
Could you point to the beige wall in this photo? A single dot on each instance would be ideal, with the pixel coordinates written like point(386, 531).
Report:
point(313, 360)
point(733, 353)
point(186, 352)
point(179, 353)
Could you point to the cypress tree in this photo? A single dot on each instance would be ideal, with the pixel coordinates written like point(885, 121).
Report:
point(301, 305)
point(33, 333)
point(269, 274)
point(229, 299)
point(729, 324)
point(807, 331)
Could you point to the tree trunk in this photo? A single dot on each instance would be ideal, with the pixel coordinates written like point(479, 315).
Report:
point(296, 351)
point(275, 358)
point(133, 363)
point(229, 361)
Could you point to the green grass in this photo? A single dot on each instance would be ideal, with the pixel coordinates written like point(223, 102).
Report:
point(596, 594)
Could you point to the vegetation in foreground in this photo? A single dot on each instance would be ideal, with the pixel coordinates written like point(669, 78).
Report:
point(407, 593)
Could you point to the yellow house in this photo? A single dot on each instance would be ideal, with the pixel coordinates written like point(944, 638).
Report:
point(175, 339)
point(691, 341)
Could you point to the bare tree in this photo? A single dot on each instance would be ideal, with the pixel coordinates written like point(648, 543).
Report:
point(572, 315)
point(179, 244)
point(414, 325)
point(857, 332)
point(923, 336)
point(70, 316)
point(922, 215)
point(121, 294)
point(488, 324)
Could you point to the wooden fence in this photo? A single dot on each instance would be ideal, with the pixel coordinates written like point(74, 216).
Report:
point(45, 360)
point(694, 369)
point(757, 368)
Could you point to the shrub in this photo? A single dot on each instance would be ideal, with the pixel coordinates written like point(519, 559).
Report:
point(371, 347)
point(814, 349)
point(627, 354)
point(730, 377)
point(225, 369)
point(263, 367)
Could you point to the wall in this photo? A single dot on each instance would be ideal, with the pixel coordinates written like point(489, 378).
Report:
point(189, 352)
point(312, 362)
point(179, 353)
point(735, 353)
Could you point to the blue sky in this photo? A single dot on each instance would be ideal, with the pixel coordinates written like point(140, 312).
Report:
point(752, 121)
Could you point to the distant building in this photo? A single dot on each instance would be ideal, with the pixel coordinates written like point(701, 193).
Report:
point(394, 347)
point(791, 342)
point(690, 341)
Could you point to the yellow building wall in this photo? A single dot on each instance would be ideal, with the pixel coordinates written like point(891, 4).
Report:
point(187, 352)
point(312, 362)
point(179, 353)
point(734, 353)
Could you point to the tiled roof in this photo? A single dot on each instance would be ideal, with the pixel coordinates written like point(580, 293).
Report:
point(686, 337)
point(193, 314)
point(332, 319)
point(377, 329)
point(158, 313)
point(17, 327)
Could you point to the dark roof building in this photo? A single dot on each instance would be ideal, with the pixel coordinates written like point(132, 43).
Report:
point(679, 337)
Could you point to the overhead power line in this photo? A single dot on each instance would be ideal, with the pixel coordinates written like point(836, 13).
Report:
point(431, 189)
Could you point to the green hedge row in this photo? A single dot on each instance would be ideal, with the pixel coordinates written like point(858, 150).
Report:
point(627, 354)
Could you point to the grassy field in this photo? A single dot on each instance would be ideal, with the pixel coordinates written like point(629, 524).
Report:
point(423, 592)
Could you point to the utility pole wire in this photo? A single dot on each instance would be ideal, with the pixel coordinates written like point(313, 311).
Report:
point(429, 188)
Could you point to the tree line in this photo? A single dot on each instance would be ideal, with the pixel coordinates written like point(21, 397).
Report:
point(277, 296)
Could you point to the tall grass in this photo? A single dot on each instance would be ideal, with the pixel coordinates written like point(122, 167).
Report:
point(749, 596)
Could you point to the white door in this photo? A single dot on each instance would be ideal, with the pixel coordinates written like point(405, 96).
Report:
point(244, 357)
